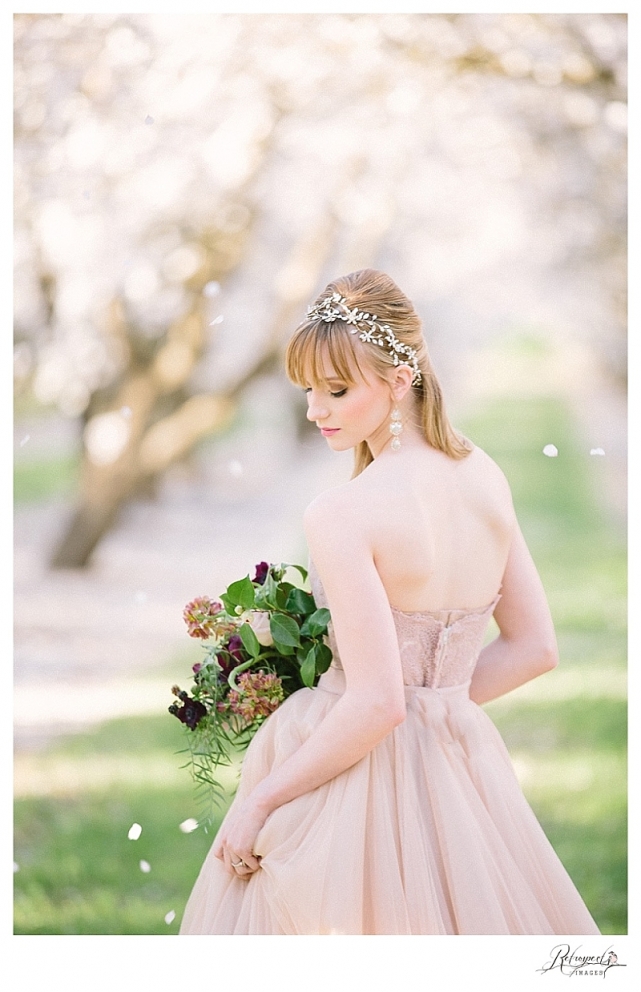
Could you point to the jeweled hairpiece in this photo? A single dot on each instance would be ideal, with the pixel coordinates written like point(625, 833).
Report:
point(336, 307)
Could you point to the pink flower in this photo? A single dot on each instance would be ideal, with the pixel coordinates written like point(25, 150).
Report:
point(259, 623)
point(200, 617)
point(260, 693)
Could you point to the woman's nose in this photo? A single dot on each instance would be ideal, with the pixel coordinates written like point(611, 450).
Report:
point(316, 410)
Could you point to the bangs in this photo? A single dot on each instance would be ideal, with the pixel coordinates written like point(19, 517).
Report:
point(321, 351)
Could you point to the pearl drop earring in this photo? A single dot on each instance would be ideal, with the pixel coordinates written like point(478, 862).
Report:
point(396, 428)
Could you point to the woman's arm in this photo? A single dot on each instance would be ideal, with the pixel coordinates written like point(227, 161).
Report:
point(374, 699)
point(526, 646)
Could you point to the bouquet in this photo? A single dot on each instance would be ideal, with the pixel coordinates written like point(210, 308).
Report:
point(263, 640)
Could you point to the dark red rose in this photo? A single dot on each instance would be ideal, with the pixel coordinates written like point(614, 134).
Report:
point(262, 570)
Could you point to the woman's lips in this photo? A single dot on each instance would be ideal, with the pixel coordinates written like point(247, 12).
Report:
point(326, 431)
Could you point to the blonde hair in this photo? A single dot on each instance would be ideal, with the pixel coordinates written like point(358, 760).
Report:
point(374, 292)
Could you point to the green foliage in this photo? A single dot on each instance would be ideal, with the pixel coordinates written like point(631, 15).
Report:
point(316, 623)
point(239, 594)
point(285, 631)
point(241, 681)
point(249, 639)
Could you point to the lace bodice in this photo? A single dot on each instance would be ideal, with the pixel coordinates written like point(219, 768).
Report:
point(438, 649)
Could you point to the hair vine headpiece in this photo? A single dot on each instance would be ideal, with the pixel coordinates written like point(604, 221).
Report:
point(336, 307)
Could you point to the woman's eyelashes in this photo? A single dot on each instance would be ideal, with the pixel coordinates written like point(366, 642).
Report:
point(341, 392)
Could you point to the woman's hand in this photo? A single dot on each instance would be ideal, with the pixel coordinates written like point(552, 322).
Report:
point(235, 841)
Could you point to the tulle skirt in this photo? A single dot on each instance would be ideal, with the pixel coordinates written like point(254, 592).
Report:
point(429, 833)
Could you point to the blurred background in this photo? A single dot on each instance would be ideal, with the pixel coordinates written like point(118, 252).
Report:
point(184, 186)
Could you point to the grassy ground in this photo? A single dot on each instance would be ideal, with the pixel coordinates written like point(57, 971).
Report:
point(40, 478)
point(78, 873)
point(567, 732)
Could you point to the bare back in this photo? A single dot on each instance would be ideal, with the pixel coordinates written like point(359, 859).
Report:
point(439, 528)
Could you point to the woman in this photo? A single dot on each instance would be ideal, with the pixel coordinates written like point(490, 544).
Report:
point(384, 800)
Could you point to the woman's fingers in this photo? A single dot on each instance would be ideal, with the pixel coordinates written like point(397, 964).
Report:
point(250, 861)
point(241, 865)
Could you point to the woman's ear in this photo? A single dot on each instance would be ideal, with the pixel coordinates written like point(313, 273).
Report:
point(401, 382)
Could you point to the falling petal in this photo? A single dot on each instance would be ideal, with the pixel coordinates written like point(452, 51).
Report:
point(16, 867)
point(149, 119)
point(86, 194)
point(217, 320)
point(551, 450)
point(187, 826)
point(125, 411)
point(145, 866)
point(135, 831)
point(24, 440)
point(235, 469)
point(597, 451)
point(141, 597)
point(170, 917)
point(211, 288)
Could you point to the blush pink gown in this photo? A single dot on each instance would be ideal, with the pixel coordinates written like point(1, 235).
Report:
point(429, 833)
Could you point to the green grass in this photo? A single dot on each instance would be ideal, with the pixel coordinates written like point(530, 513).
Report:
point(42, 478)
point(79, 873)
point(567, 732)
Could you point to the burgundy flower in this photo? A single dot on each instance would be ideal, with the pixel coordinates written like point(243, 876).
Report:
point(191, 711)
point(226, 663)
point(236, 649)
point(233, 654)
point(196, 668)
point(262, 570)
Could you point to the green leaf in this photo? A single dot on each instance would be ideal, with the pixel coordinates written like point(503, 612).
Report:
point(249, 639)
point(299, 568)
point(266, 594)
point(308, 668)
point(241, 593)
point(300, 601)
point(230, 606)
point(285, 631)
point(283, 590)
point(316, 623)
point(323, 658)
point(284, 649)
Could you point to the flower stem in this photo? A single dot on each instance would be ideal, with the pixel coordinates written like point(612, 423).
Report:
point(231, 678)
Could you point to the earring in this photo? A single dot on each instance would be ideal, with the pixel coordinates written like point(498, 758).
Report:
point(396, 428)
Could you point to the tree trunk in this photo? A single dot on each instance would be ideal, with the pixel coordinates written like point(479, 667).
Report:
point(88, 525)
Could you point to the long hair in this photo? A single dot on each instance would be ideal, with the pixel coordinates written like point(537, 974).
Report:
point(376, 293)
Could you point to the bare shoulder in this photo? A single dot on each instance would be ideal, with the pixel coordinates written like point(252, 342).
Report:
point(333, 507)
point(481, 466)
point(334, 522)
point(482, 462)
